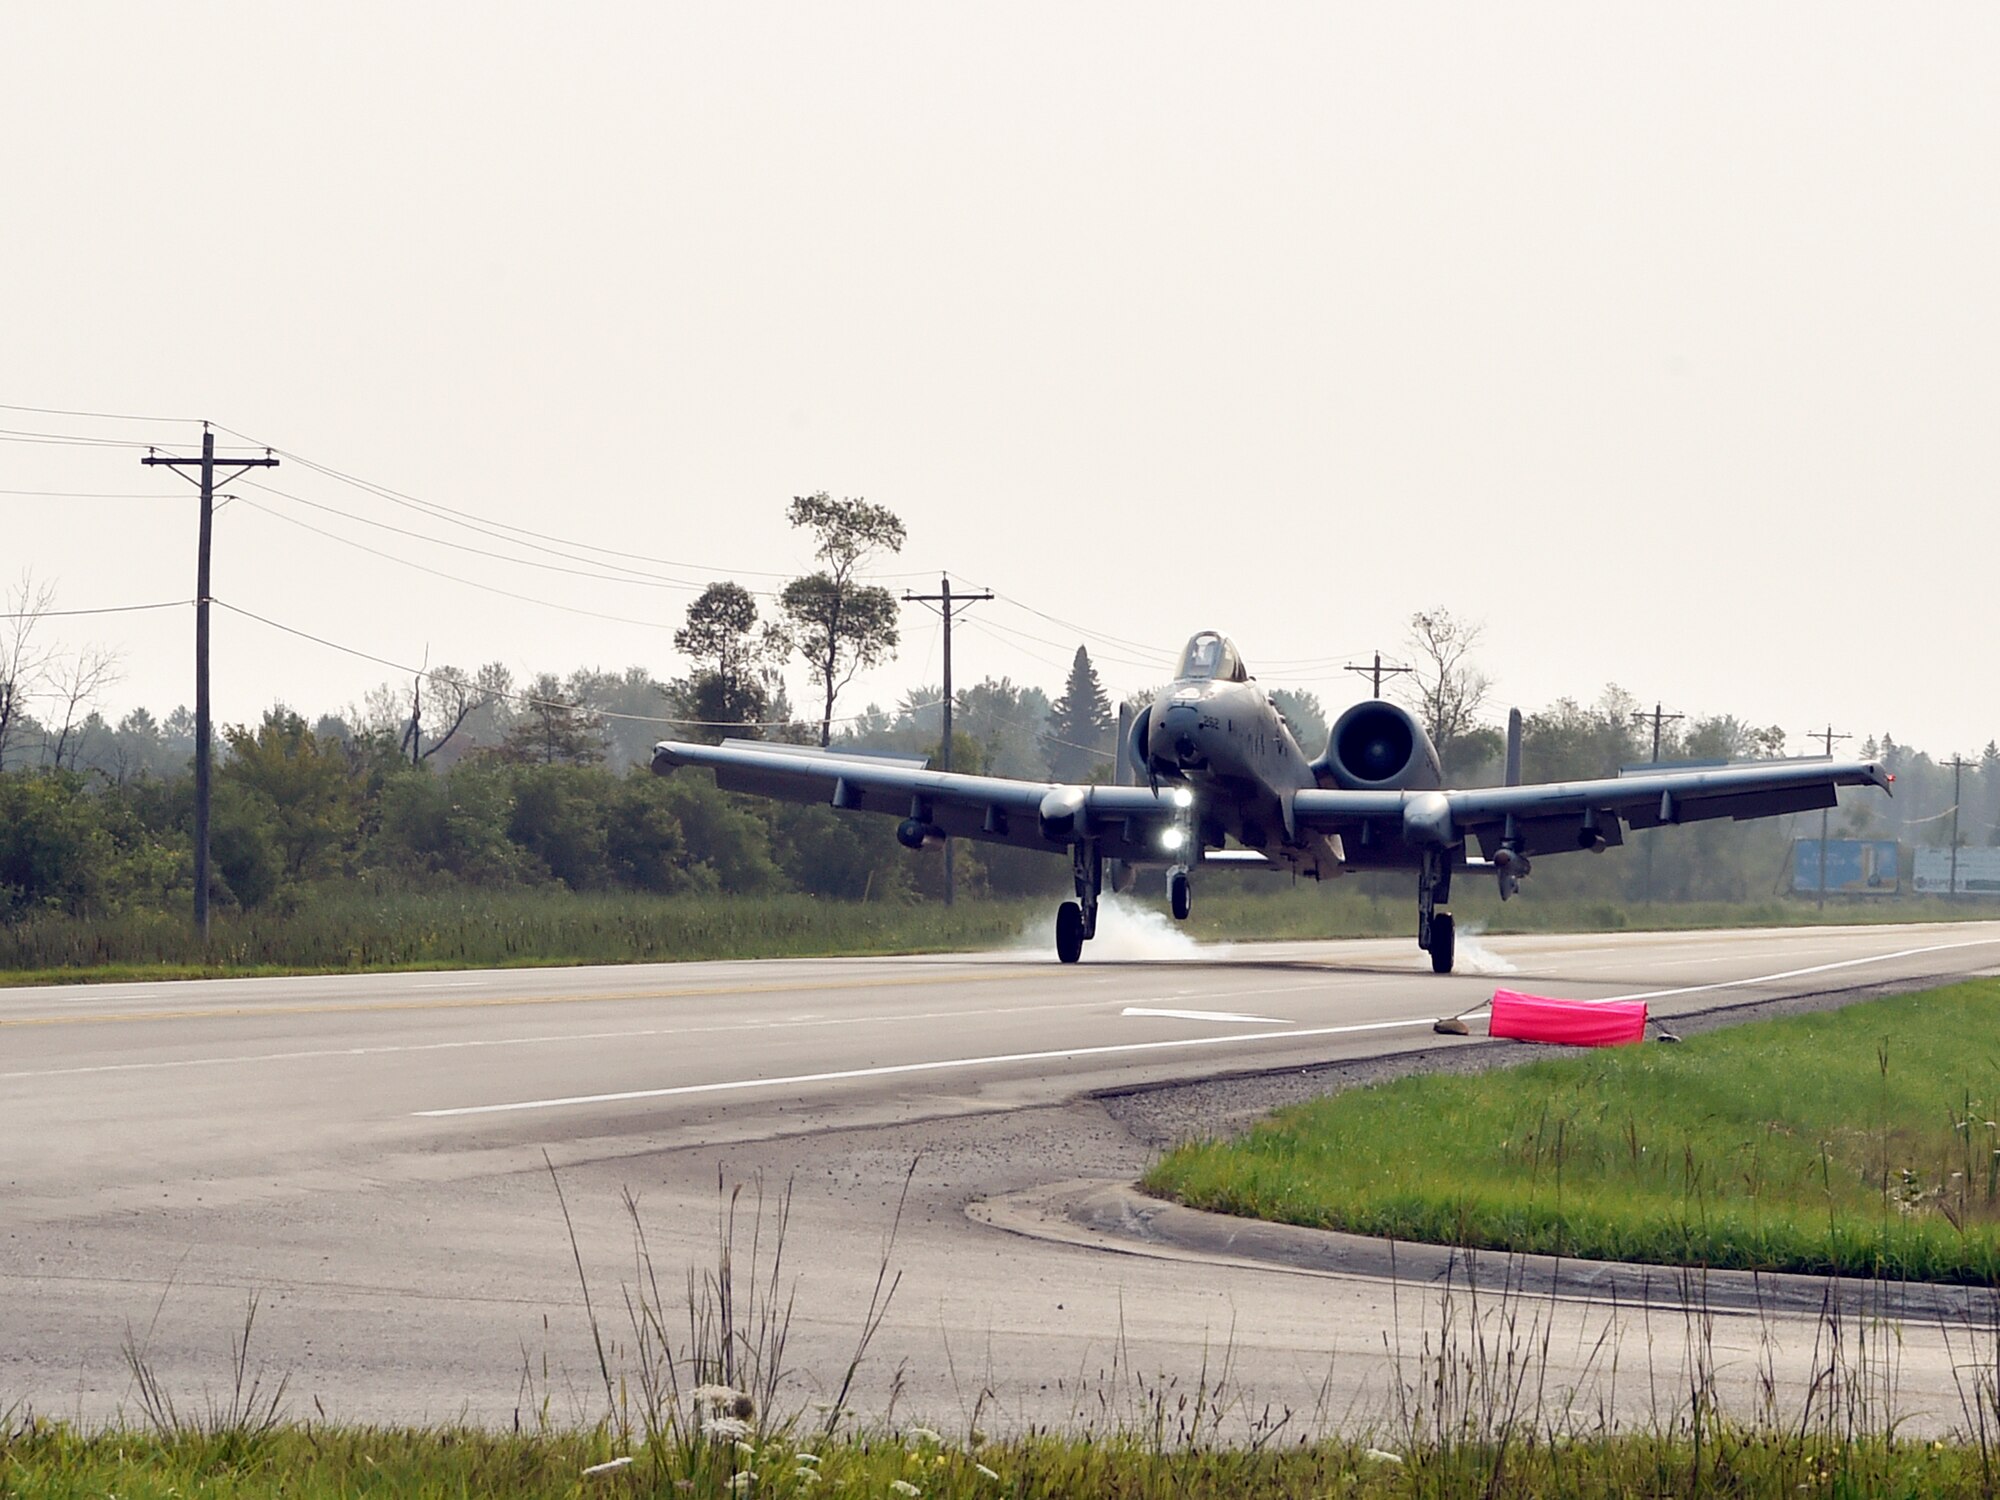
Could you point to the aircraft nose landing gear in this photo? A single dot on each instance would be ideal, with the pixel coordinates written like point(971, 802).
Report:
point(1076, 921)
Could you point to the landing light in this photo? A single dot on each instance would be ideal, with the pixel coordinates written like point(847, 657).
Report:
point(1182, 797)
point(1173, 838)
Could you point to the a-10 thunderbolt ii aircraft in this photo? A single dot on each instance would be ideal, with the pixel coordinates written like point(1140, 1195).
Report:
point(1224, 782)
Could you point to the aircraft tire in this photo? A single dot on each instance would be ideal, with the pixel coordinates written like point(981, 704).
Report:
point(1069, 932)
point(1181, 894)
point(1444, 943)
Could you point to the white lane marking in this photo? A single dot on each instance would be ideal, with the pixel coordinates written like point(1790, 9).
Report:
point(943, 1064)
point(306, 1054)
point(1737, 984)
point(1224, 1016)
point(892, 1069)
point(1845, 963)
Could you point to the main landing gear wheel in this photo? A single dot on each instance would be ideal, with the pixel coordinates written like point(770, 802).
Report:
point(1444, 940)
point(1180, 894)
point(1069, 932)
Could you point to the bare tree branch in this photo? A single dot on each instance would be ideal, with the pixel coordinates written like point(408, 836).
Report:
point(1450, 691)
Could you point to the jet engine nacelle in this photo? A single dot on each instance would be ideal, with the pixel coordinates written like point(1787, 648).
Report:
point(1377, 746)
point(1138, 743)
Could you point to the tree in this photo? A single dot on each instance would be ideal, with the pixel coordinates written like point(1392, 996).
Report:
point(22, 662)
point(553, 728)
point(1450, 690)
point(734, 676)
point(76, 683)
point(1007, 721)
point(305, 783)
point(1303, 711)
point(1077, 741)
point(839, 626)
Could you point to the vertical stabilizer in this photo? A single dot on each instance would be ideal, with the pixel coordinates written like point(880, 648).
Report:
point(1513, 747)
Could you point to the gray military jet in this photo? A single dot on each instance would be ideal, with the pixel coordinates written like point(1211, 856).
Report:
point(1225, 782)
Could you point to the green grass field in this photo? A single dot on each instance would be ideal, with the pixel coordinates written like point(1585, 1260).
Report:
point(1860, 1142)
point(352, 929)
point(321, 1462)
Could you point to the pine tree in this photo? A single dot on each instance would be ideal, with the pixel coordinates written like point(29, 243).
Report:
point(1077, 742)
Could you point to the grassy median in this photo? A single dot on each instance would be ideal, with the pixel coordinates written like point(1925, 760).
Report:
point(1860, 1142)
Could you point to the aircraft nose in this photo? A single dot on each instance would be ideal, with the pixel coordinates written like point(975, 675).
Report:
point(1179, 734)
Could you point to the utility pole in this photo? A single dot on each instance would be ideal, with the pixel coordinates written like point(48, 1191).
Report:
point(202, 750)
point(1376, 673)
point(945, 604)
point(1826, 737)
point(1958, 765)
point(1659, 716)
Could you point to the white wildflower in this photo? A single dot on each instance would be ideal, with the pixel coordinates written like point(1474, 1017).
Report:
point(917, 1436)
point(989, 1473)
point(727, 1429)
point(742, 1481)
point(723, 1400)
point(805, 1458)
point(608, 1468)
point(806, 1476)
point(745, 1449)
point(903, 1487)
point(1383, 1456)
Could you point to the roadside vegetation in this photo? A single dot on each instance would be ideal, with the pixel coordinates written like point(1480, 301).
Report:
point(338, 1463)
point(1858, 1142)
point(694, 1395)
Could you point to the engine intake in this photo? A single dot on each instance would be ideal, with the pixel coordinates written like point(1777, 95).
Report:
point(1377, 746)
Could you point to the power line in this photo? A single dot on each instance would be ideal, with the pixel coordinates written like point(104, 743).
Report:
point(1098, 635)
point(451, 515)
point(109, 609)
point(528, 699)
point(652, 580)
point(106, 416)
point(470, 583)
point(1123, 661)
point(69, 440)
point(90, 494)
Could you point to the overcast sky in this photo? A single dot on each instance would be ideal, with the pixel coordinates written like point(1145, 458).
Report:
point(1663, 340)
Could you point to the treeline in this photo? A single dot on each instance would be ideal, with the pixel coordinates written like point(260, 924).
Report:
point(549, 790)
point(295, 807)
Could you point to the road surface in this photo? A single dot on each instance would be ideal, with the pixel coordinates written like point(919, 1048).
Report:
point(369, 1156)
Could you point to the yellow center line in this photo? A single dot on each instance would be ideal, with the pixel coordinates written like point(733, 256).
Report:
point(497, 1002)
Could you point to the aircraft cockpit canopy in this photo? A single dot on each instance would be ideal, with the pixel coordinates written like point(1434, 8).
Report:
point(1212, 657)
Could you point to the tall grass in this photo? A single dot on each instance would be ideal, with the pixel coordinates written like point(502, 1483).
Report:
point(1860, 1142)
point(341, 929)
point(1476, 1406)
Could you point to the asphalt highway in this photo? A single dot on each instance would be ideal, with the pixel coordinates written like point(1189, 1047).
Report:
point(370, 1156)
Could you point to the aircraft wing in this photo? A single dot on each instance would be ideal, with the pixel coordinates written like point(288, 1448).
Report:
point(1128, 821)
point(1558, 816)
